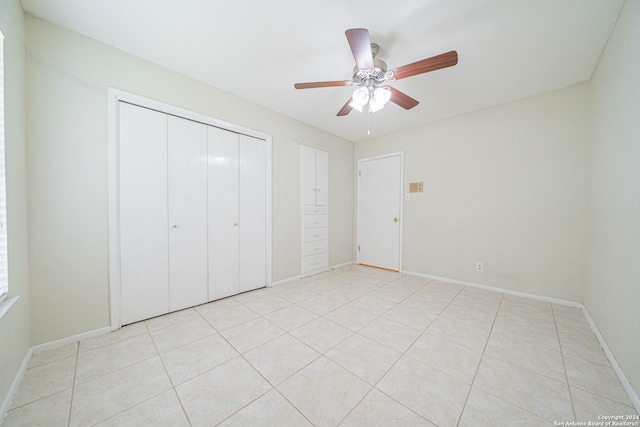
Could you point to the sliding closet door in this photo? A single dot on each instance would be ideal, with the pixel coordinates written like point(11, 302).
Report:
point(187, 210)
point(223, 213)
point(143, 213)
point(252, 196)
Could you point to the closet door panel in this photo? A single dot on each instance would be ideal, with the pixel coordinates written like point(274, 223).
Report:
point(308, 176)
point(252, 196)
point(322, 178)
point(223, 213)
point(143, 213)
point(187, 192)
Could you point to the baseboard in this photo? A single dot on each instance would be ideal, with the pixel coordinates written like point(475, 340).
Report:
point(36, 349)
point(17, 380)
point(633, 397)
point(496, 289)
point(344, 264)
point(68, 340)
point(283, 281)
point(294, 278)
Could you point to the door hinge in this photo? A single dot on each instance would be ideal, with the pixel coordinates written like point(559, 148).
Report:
point(359, 173)
point(358, 248)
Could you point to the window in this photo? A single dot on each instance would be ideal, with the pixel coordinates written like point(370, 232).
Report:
point(4, 276)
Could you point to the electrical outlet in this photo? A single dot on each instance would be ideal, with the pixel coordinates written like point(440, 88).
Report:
point(480, 267)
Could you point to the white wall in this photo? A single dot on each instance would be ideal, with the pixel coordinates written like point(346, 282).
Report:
point(15, 334)
point(68, 76)
point(522, 187)
point(505, 186)
point(612, 286)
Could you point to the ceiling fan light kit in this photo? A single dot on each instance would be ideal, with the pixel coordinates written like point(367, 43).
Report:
point(370, 73)
point(376, 97)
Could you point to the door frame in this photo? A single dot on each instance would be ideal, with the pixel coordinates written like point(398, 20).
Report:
point(114, 97)
point(401, 229)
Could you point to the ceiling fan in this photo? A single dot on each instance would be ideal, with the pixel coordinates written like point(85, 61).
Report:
point(370, 73)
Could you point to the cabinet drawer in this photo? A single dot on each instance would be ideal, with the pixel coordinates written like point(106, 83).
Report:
point(313, 248)
point(315, 234)
point(315, 221)
point(315, 262)
point(316, 210)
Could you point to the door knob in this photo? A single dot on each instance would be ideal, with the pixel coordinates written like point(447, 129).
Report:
point(395, 219)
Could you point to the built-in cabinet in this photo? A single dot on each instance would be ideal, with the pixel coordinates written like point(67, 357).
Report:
point(314, 183)
point(192, 212)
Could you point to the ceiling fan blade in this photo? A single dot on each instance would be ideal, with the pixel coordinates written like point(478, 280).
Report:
point(437, 62)
point(360, 44)
point(346, 109)
point(311, 85)
point(402, 99)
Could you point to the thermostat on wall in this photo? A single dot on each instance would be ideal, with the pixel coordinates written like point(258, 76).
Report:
point(415, 187)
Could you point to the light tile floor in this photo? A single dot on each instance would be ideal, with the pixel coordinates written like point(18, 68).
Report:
point(356, 346)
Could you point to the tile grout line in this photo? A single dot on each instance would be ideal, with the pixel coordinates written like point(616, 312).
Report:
point(241, 355)
point(475, 375)
point(377, 316)
point(322, 354)
point(73, 384)
point(272, 387)
point(564, 364)
point(164, 366)
point(148, 332)
point(524, 368)
point(374, 386)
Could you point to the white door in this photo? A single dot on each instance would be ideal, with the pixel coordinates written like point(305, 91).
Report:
point(379, 211)
point(322, 178)
point(187, 210)
point(252, 208)
point(223, 213)
point(144, 276)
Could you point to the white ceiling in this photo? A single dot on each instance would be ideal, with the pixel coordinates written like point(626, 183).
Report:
point(508, 49)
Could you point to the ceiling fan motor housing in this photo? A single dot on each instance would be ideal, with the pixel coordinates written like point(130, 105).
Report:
point(376, 75)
